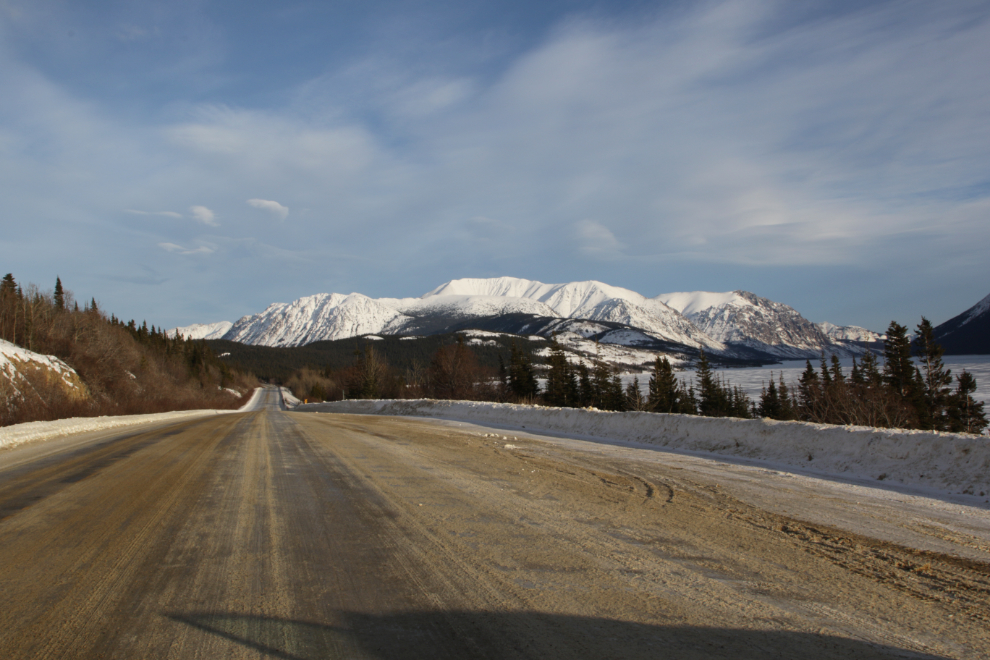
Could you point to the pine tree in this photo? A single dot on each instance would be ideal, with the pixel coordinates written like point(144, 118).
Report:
point(59, 294)
point(936, 380)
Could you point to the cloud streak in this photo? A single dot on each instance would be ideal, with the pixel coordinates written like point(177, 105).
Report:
point(273, 207)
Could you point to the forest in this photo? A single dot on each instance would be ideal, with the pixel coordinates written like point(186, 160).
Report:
point(124, 368)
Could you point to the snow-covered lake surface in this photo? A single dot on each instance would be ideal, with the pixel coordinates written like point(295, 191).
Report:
point(752, 379)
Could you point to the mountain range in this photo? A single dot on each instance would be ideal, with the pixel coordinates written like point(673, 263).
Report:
point(735, 324)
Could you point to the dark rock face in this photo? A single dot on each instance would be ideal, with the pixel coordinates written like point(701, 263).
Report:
point(968, 333)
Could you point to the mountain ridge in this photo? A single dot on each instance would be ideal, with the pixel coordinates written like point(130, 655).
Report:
point(734, 324)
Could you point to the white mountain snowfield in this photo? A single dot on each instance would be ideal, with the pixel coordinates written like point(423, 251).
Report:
point(713, 321)
point(956, 464)
point(203, 330)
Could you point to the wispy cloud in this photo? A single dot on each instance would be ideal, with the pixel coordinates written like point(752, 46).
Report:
point(204, 215)
point(168, 214)
point(178, 249)
point(273, 207)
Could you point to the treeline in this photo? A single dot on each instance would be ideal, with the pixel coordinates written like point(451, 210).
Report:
point(126, 368)
point(454, 372)
point(899, 393)
point(896, 393)
point(407, 355)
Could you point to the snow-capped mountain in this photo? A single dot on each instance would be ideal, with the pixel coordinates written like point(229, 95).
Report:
point(314, 318)
point(202, 330)
point(742, 319)
point(968, 333)
point(736, 323)
point(840, 333)
point(590, 300)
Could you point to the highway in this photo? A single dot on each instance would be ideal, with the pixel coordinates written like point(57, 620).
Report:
point(279, 534)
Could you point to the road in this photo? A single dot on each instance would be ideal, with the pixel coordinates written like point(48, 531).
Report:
point(274, 534)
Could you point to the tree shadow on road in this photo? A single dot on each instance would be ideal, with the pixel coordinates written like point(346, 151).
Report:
point(460, 634)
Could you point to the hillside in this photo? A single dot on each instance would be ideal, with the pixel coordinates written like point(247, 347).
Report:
point(62, 361)
point(967, 333)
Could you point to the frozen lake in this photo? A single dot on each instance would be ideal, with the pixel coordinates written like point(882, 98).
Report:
point(752, 379)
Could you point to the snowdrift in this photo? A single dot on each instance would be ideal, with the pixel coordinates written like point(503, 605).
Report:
point(948, 463)
point(18, 434)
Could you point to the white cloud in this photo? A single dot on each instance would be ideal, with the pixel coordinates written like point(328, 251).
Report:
point(178, 249)
point(273, 207)
point(168, 214)
point(204, 215)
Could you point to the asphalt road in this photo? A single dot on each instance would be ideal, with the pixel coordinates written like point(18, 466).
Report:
point(274, 534)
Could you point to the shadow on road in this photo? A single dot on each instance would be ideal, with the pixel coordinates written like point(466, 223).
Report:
point(459, 634)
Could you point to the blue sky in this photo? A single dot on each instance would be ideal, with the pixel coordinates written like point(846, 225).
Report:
point(194, 161)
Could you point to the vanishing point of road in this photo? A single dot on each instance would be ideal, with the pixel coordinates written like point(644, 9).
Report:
point(277, 534)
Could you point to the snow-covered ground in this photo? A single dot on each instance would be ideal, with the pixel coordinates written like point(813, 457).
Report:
point(15, 362)
point(18, 434)
point(921, 461)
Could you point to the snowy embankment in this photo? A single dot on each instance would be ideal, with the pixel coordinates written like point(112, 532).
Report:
point(948, 463)
point(18, 434)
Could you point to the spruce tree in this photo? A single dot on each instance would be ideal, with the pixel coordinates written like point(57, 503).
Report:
point(59, 294)
point(936, 380)
point(898, 370)
point(709, 392)
point(770, 401)
point(665, 394)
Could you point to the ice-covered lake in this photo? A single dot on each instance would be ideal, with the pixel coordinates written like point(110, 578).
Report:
point(752, 379)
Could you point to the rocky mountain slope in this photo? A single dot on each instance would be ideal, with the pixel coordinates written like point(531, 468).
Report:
point(968, 333)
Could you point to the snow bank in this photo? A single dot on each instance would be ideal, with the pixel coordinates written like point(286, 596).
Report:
point(18, 434)
point(950, 463)
point(11, 436)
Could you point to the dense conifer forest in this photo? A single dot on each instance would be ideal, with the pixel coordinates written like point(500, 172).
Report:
point(125, 368)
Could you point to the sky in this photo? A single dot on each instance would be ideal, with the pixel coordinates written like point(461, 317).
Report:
point(193, 161)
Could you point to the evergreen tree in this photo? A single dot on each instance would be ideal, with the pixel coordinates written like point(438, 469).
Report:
point(522, 379)
point(966, 415)
point(560, 385)
point(809, 393)
point(770, 405)
point(787, 402)
point(869, 370)
point(665, 393)
point(59, 294)
point(936, 380)
point(586, 390)
point(898, 370)
point(709, 392)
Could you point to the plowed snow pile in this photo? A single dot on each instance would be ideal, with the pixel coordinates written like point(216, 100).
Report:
point(944, 462)
point(18, 434)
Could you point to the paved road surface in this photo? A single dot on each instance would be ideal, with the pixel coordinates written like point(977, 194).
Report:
point(274, 534)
